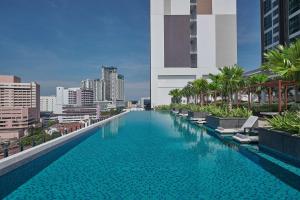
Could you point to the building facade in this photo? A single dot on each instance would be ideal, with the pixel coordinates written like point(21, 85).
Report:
point(48, 103)
point(113, 84)
point(66, 96)
point(189, 39)
point(19, 106)
point(280, 23)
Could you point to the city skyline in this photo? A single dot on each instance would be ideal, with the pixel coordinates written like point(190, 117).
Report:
point(70, 42)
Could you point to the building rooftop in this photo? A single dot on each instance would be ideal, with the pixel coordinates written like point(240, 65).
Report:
point(9, 79)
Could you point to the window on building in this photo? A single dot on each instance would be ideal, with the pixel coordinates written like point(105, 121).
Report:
point(275, 12)
point(275, 21)
point(276, 30)
point(294, 24)
point(275, 39)
point(275, 3)
point(267, 6)
point(268, 22)
point(268, 38)
point(294, 5)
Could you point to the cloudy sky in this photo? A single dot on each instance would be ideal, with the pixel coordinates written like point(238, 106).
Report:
point(60, 42)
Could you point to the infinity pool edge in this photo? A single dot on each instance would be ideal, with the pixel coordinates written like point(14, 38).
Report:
point(17, 160)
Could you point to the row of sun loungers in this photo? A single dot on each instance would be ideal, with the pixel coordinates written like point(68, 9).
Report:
point(237, 133)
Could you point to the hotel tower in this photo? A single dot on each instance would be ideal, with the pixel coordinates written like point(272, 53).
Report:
point(189, 39)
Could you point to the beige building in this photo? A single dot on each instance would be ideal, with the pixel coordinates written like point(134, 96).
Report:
point(19, 106)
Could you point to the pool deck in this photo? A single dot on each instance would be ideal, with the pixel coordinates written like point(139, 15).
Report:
point(12, 162)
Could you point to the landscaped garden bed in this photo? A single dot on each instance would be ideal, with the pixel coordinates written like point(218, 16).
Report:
point(226, 123)
point(197, 114)
point(283, 137)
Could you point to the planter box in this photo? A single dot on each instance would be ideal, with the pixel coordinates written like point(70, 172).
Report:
point(197, 114)
point(227, 123)
point(279, 142)
point(183, 111)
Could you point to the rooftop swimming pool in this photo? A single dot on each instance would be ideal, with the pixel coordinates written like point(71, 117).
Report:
point(148, 155)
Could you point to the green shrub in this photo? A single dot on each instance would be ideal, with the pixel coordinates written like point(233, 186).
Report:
point(288, 122)
point(163, 108)
point(235, 112)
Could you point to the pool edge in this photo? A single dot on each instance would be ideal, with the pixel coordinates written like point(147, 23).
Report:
point(17, 160)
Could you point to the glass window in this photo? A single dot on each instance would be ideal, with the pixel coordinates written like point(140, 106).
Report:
point(276, 30)
point(268, 21)
point(275, 21)
point(276, 39)
point(267, 6)
point(275, 3)
point(294, 5)
point(268, 38)
point(275, 12)
point(294, 24)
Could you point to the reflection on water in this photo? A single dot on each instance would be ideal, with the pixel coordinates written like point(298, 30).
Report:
point(112, 128)
point(197, 138)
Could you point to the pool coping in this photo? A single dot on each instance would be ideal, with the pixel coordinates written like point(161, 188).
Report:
point(17, 160)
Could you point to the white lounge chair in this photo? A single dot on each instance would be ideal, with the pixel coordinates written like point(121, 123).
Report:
point(196, 119)
point(200, 122)
point(247, 125)
point(244, 139)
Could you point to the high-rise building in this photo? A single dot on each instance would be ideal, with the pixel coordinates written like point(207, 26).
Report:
point(189, 39)
point(120, 88)
point(110, 77)
point(113, 89)
point(48, 103)
point(19, 106)
point(280, 22)
point(97, 86)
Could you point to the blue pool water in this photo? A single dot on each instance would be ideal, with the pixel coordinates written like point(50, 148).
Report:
point(146, 155)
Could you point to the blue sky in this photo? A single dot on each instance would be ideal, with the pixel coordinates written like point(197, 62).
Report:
point(61, 42)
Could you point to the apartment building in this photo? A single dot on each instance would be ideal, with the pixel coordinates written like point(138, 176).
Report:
point(19, 106)
point(280, 23)
point(189, 39)
point(48, 103)
point(113, 84)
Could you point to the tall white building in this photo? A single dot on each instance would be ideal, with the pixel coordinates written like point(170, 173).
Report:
point(65, 96)
point(48, 104)
point(113, 89)
point(189, 39)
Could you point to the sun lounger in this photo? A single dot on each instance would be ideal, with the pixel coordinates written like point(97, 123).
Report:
point(227, 130)
point(183, 115)
point(245, 139)
point(196, 119)
point(201, 122)
point(247, 125)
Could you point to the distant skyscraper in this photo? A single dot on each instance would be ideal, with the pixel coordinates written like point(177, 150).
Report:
point(19, 106)
point(280, 22)
point(120, 88)
point(189, 39)
point(113, 89)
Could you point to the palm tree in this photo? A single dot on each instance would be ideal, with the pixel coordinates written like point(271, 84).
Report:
point(215, 85)
point(284, 61)
point(200, 87)
point(176, 95)
point(187, 91)
point(232, 80)
point(257, 79)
